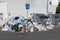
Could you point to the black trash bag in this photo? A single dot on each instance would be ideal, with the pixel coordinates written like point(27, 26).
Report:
point(16, 18)
point(15, 27)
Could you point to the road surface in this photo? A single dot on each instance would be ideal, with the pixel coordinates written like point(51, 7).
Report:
point(45, 35)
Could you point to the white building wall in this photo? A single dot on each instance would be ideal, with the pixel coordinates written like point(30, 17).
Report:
point(17, 7)
point(3, 9)
point(38, 6)
point(52, 7)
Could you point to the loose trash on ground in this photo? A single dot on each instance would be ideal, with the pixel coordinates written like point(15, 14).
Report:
point(25, 25)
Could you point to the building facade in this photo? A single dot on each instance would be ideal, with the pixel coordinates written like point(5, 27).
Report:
point(3, 9)
point(18, 8)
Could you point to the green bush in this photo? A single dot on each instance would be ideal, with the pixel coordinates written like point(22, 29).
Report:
point(58, 8)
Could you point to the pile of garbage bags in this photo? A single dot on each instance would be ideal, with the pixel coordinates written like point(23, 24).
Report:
point(25, 25)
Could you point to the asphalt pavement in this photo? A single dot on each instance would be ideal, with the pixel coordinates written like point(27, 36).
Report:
point(43, 35)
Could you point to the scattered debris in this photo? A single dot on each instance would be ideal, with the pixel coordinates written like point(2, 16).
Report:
point(25, 25)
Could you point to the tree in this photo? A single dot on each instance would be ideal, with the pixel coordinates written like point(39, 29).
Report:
point(58, 8)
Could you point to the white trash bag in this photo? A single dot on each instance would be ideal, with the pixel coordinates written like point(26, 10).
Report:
point(5, 28)
point(31, 29)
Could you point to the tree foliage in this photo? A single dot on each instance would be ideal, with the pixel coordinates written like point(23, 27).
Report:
point(58, 8)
